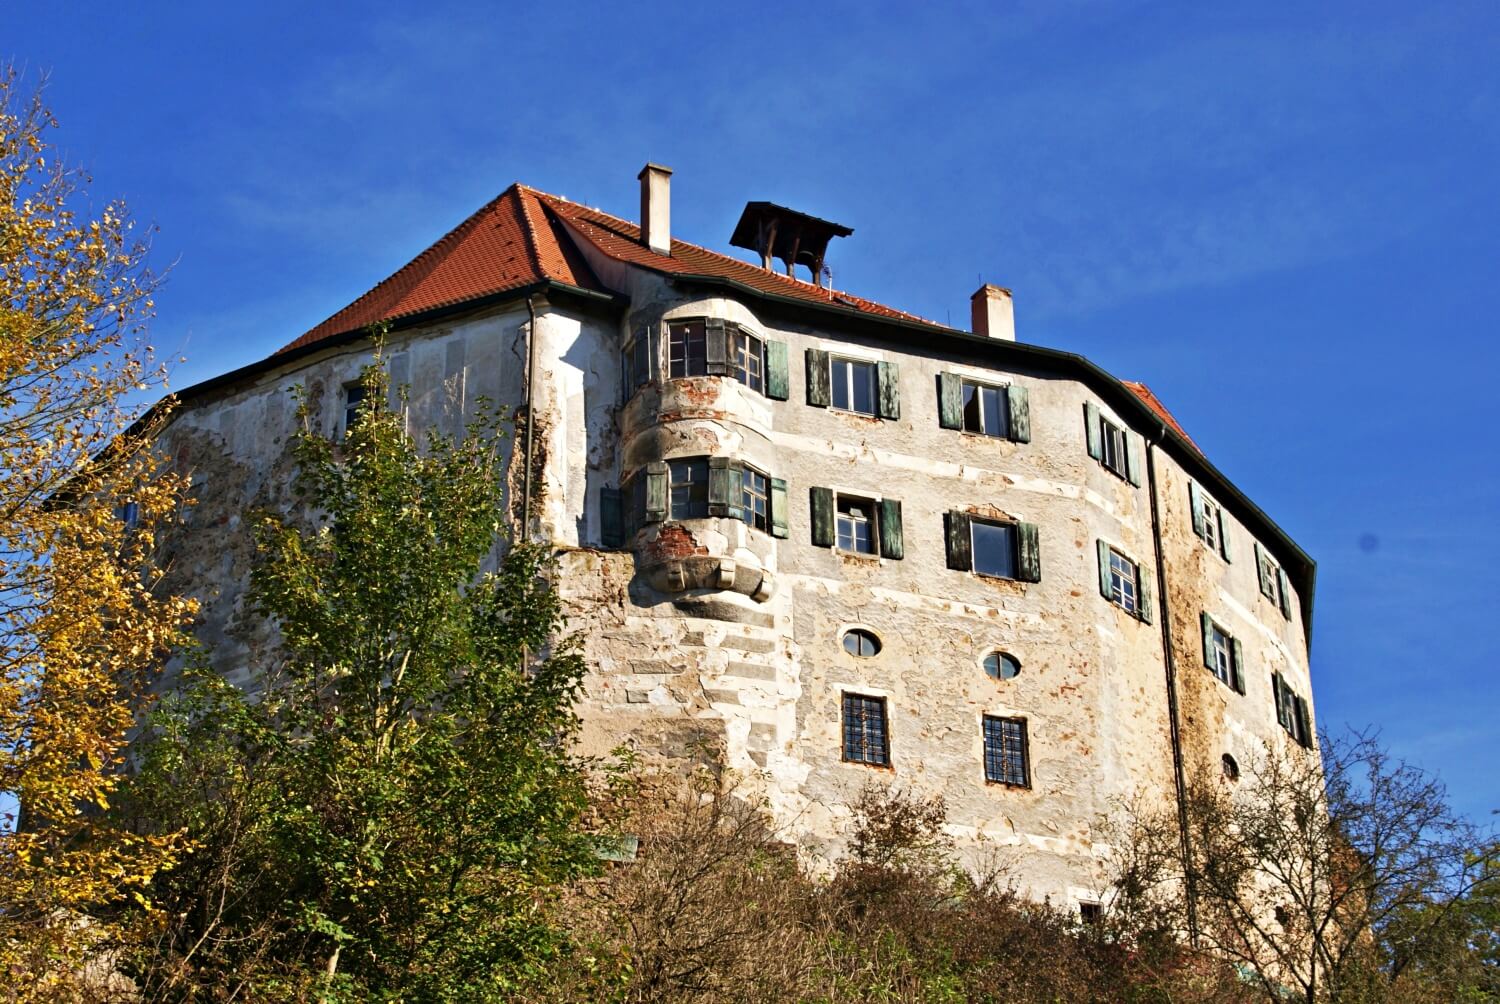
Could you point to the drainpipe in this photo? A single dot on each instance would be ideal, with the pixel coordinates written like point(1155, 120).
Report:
point(530, 423)
point(1179, 775)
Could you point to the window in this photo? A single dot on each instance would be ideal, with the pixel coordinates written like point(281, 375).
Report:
point(1090, 914)
point(1110, 444)
point(853, 386)
point(1122, 582)
point(354, 396)
point(689, 488)
point(129, 513)
point(995, 549)
point(1273, 584)
point(986, 410)
point(747, 359)
point(866, 739)
point(1002, 666)
point(638, 361)
point(858, 641)
point(1291, 711)
point(756, 499)
point(1005, 760)
point(1112, 438)
point(1231, 767)
point(1208, 521)
point(687, 349)
point(856, 525)
point(1223, 655)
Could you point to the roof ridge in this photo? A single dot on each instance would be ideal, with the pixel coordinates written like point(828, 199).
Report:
point(529, 229)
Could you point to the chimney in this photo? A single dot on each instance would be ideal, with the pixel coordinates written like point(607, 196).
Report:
point(656, 208)
point(993, 314)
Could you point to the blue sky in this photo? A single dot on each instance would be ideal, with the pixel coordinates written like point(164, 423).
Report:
point(1283, 218)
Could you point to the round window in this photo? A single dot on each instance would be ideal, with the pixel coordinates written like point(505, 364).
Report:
point(858, 641)
point(1231, 768)
point(1001, 666)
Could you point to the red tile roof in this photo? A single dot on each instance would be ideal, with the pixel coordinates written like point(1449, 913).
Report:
point(524, 237)
point(1153, 402)
point(509, 244)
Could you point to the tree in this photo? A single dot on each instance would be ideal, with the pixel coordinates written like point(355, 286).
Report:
point(1344, 879)
point(83, 626)
point(387, 816)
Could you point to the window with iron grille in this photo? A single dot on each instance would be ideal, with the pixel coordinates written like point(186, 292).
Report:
point(866, 739)
point(1005, 753)
point(756, 501)
point(689, 488)
point(748, 355)
point(986, 410)
point(1124, 577)
point(687, 349)
point(856, 525)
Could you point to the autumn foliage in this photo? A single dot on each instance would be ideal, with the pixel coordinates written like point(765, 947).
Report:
point(83, 625)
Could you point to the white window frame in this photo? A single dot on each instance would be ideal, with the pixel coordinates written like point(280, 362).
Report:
point(1002, 409)
point(1125, 590)
point(1114, 447)
point(872, 522)
point(1015, 548)
point(1223, 654)
point(851, 362)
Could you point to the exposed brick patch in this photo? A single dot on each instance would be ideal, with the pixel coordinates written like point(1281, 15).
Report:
point(671, 543)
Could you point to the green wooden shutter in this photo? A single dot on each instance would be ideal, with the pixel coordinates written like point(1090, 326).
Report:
point(1133, 444)
point(891, 543)
point(1276, 699)
point(1029, 553)
point(1020, 414)
point(1304, 724)
point(1195, 498)
point(1267, 583)
point(778, 382)
point(821, 500)
point(1237, 667)
point(716, 346)
point(1207, 623)
point(1223, 536)
point(656, 492)
point(888, 381)
point(1284, 593)
point(1143, 594)
point(960, 544)
point(950, 401)
point(723, 487)
point(819, 391)
point(778, 503)
point(1102, 549)
point(1092, 431)
point(611, 517)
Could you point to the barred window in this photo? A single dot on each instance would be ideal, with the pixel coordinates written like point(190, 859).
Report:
point(756, 499)
point(687, 349)
point(1005, 752)
point(689, 480)
point(866, 739)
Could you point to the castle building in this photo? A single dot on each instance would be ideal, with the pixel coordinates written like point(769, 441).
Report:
point(839, 541)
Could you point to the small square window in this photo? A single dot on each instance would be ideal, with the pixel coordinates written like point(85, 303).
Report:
point(756, 499)
point(1005, 752)
point(687, 349)
point(1090, 914)
point(853, 385)
point(354, 396)
point(1124, 584)
point(748, 357)
point(689, 488)
point(986, 410)
point(1112, 440)
point(1221, 653)
point(866, 739)
point(856, 529)
point(994, 547)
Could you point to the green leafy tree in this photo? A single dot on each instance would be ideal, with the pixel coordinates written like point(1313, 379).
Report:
point(387, 815)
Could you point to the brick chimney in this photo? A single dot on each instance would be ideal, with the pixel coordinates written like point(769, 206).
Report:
point(656, 208)
point(992, 313)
